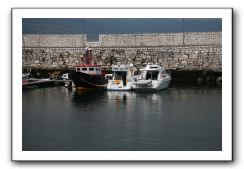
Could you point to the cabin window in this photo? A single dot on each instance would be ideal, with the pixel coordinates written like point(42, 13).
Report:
point(77, 69)
point(120, 75)
point(137, 72)
point(98, 69)
point(91, 69)
point(84, 69)
point(153, 75)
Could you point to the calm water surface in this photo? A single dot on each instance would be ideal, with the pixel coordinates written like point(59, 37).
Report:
point(176, 119)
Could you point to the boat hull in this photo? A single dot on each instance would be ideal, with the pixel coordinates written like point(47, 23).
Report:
point(152, 88)
point(126, 88)
point(87, 81)
point(117, 85)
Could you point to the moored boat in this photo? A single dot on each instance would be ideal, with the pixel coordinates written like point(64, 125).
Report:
point(122, 77)
point(88, 75)
point(25, 77)
point(153, 78)
point(68, 83)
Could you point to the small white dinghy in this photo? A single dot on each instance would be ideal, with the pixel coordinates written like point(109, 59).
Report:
point(153, 78)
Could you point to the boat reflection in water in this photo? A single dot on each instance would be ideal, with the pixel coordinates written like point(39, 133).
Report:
point(108, 98)
point(88, 96)
point(177, 119)
point(121, 96)
point(133, 97)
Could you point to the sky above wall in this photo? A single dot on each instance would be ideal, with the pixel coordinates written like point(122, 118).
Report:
point(93, 27)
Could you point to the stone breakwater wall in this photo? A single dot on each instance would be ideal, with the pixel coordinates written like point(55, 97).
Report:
point(189, 51)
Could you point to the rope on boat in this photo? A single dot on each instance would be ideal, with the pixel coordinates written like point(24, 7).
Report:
point(92, 83)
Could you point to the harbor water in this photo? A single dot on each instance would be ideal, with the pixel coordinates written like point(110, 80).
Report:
point(176, 119)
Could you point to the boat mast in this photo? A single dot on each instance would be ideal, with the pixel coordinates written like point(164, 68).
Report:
point(88, 56)
point(88, 50)
point(183, 26)
point(83, 33)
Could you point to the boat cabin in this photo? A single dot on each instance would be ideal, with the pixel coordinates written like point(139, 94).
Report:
point(89, 69)
point(153, 75)
point(120, 73)
point(89, 66)
point(152, 72)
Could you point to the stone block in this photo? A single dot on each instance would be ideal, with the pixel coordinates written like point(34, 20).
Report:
point(193, 56)
point(36, 61)
point(184, 62)
point(61, 63)
point(185, 56)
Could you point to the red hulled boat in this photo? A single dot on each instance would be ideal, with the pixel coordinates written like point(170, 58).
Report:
point(89, 75)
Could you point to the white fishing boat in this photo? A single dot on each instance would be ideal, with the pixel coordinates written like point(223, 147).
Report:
point(153, 78)
point(122, 77)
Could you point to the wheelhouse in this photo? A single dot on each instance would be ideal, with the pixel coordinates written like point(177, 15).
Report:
point(89, 69)
point(120, 73)
point(152, 72)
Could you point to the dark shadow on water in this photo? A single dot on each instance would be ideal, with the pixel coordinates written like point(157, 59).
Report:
point(87, 96)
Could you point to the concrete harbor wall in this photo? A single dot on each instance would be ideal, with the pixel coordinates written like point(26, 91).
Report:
point(176, 51)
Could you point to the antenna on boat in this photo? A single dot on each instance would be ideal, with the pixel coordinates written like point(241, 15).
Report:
point(23, 40)
point(88, 56)
point(83, 32)
point(183, 26)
